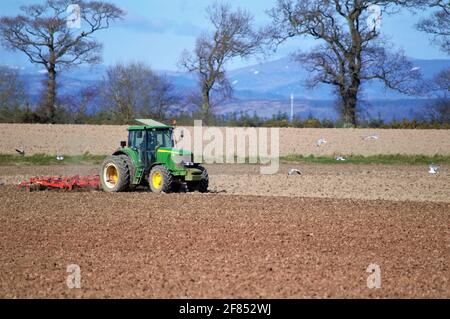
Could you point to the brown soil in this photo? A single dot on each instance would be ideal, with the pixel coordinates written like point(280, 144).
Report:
point(389, 182)
point(192, 245)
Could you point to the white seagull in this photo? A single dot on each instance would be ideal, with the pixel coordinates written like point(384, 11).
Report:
point(21, 151)
point(321, 142)
point(293, 171)
point(371, 137)
point(434, 169)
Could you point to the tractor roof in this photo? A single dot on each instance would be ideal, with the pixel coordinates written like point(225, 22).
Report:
point(148, 124)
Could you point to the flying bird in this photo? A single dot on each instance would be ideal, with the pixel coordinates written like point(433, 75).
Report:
point(294, 171)
point(21, 151)
point(321, 142)
point(434, 169)
point(371, 137)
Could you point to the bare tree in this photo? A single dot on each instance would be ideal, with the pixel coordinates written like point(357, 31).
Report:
point(438, 27)
point(44, 33)
point(233, 36)
point(352, 50)
point(136, 90)
point(438, 24)
point(438, 111)
point(12, 95)
point(83, 104)
point(442, 80)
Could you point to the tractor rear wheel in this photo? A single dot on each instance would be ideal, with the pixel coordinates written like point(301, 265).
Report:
point(160, 180)
point(115, 174)
point(131, 170)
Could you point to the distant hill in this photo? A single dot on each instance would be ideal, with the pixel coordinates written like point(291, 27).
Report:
point(265, 89)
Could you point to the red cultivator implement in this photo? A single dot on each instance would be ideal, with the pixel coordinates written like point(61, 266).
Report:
point(66, 183)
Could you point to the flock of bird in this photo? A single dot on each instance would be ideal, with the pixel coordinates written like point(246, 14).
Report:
point(433, 169)
point(21, 152)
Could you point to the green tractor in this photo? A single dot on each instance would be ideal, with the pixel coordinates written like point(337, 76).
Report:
point(150, 159)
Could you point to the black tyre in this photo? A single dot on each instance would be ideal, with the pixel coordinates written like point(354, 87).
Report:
point(160, 180)
point(202, 185)
point(115, 174)
point(131, 171)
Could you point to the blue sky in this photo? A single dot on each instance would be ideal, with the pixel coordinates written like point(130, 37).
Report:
point(156, 32)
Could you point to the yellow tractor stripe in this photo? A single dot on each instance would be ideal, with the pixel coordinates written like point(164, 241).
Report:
point(165, 151)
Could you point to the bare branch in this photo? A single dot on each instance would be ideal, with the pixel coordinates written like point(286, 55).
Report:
point(438, 25)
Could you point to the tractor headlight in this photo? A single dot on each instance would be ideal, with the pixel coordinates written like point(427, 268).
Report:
point(184, 160)
point(189, 164)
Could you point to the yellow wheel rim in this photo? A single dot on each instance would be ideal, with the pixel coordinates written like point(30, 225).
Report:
point(111, 176)
point(157, 180)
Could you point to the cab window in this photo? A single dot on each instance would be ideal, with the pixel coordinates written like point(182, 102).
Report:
point(136, 139)
point(162, 138)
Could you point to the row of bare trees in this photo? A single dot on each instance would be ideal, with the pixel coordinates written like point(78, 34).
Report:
point(351, 51)
point(127, 92)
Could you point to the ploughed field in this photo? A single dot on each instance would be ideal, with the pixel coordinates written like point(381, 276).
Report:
point(390, 182)
point(308, 235)
point(104, 139)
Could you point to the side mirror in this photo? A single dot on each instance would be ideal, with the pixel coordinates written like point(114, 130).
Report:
point(123, 144)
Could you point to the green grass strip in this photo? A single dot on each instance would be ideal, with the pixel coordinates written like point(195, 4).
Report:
point(372, 159)
point(43, 159)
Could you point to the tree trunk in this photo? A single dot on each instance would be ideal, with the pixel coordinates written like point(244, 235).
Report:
point(51, 94)
point(206, 105)
point(349, 103)
point(352, 104)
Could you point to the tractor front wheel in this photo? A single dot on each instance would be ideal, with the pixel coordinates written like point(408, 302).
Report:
point(160, 180)
point(115, 175)
point(202, 185)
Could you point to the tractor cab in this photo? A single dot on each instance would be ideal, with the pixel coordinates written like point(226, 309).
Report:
point(147, 140)
point(150, 158)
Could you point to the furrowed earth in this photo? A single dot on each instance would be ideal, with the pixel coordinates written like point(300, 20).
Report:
point(252, 236)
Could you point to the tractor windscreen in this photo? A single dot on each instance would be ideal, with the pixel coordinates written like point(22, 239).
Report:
point(159, 137)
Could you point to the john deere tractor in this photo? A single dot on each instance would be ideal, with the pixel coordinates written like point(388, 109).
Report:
point(150, 159)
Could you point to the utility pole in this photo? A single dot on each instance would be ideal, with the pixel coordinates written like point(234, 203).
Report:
point(292, 107)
